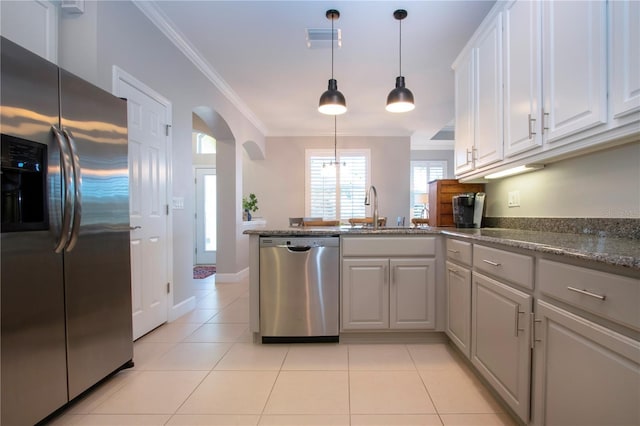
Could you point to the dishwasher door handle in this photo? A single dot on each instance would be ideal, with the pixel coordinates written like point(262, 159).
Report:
point(296, 248)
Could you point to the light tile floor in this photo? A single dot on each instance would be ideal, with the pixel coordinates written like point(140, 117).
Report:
point(203, 369)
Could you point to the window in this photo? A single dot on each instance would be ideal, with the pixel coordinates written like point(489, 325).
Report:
point(205, 144)
point(423, 172)
point(336, 192)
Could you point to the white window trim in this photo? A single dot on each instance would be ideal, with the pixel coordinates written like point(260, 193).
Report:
point(428, 164)
point(330, 153)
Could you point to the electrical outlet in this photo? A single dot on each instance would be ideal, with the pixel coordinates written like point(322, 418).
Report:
point(514, 199)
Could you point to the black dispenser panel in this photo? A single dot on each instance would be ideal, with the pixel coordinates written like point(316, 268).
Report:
point(23, 181)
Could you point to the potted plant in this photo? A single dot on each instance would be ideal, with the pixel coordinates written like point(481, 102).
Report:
point(250, 205)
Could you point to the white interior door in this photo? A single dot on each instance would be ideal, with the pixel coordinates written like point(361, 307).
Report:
point(148, 141)
point(206, 236)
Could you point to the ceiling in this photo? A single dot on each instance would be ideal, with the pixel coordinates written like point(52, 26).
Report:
point(256, 52)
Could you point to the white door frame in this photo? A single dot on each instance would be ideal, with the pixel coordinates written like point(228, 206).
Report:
point(119, 75)
point(198, 212)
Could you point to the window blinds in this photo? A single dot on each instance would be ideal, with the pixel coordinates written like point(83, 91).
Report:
point(337, 192)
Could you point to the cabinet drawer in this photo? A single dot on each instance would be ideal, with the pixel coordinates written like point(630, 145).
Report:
point(513, 267)
point(389, 246)
point(611, 296)
point(459, 251)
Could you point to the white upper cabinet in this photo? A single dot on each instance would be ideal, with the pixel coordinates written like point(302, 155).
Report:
point(488, 101)
point(549, 79)
point(33, 24)
point(478, 98)
point(625, 58)
point(574, 67)
point(522, 77)
point(464, 113)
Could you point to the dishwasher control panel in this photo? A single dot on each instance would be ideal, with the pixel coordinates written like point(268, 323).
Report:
point(299, 242)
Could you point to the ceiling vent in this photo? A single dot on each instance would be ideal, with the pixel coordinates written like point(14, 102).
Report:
point(320, 38)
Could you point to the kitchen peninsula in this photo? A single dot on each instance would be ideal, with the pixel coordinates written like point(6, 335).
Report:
point(524, 308)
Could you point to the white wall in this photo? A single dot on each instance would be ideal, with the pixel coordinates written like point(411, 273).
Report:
point(279, 180)
point(117, 33)
point(605, 184)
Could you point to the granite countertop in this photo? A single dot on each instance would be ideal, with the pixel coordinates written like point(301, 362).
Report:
point(609, 250)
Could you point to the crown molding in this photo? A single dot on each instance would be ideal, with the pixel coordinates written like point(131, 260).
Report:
point(164, 24)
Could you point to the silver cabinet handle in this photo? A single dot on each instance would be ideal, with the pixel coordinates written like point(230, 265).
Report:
point(133, 228)
point(468, 154)
point(531, 121)
point(588, 293)
point(77, 186)
point(455, 271)
point(453, 251)
point(67, 181)
point(490, 262)
point(542, 123)
point(518, 329)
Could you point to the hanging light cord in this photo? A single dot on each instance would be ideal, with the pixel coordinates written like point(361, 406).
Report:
point(335, 139)
point(332, 19)
point(400, 48)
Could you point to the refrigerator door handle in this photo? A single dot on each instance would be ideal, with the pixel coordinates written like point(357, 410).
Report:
point(67, 183)
point(77, 185)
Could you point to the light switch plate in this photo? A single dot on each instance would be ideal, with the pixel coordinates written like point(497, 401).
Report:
point(514, 199)
point(178, 203)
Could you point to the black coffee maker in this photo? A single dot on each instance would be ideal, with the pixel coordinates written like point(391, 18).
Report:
point(468, 209)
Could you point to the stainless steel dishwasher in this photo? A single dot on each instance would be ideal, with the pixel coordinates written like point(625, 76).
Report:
point(299, 289)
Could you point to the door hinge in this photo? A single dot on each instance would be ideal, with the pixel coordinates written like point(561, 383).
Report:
point(167, 209)
point(168, 288)
point(166, 129)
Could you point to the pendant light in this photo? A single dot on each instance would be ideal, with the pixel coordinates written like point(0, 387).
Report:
point(332, 102)
point(400, 99)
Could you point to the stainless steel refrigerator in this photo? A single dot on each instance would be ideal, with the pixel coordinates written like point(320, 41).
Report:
point(65, 266)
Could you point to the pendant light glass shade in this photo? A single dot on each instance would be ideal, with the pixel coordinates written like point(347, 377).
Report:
point(400, 99)
point(332, 102)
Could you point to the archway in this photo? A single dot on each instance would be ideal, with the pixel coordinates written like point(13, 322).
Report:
point(225, 163)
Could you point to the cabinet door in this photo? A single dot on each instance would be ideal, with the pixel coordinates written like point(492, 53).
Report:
point(412, 294)
point(574, 67)
point(365, 294)
point(459, 307)
point(585, 373)
point(522, 76)
point(488, 137)
point(463, 79)
point(625, 58)
point(500, 340)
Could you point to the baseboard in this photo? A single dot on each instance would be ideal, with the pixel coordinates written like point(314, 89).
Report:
point(233, 278)
point(410, 337)
point(182, 308)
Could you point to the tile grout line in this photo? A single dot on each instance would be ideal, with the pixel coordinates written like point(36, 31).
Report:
point(426, 388)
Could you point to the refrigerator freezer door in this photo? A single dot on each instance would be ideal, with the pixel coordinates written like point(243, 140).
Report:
point(32, 335)
point(97, 267)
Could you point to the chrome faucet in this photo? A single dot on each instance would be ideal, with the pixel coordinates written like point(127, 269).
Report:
point(367, 202)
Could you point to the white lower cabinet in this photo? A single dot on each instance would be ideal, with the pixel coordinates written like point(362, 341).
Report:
point(501, 340)
point(585, 374)
point(383, 293)
point(458, 281)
